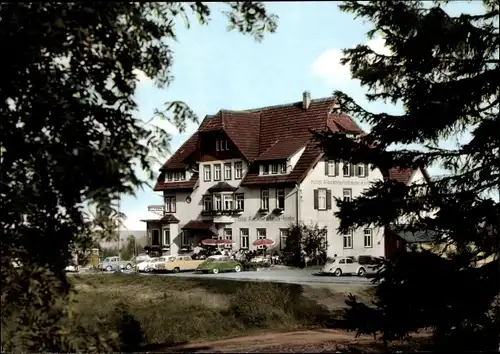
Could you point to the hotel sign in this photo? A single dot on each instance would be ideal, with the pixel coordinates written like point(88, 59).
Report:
point(157, 209)
point(346, 182)
point(266, 218)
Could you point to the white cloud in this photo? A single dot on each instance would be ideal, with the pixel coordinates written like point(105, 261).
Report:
point(142, 77)
point(133, 221)
point(328, 67)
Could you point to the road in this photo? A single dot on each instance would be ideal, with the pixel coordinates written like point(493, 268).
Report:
point(279, 275)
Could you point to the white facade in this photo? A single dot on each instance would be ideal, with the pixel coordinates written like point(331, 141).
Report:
point(299, 206)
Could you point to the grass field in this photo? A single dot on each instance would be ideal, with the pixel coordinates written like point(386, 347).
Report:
point(170, 311)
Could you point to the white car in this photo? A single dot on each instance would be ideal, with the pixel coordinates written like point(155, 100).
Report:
point(343, 265)
point(148, 265)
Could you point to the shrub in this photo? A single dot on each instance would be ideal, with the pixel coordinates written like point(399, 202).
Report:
point(265, 304)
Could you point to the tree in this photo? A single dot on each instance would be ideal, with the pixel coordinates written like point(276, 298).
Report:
point(130, 249)
point(69, 137)
point(441, 69)
point(304, 241)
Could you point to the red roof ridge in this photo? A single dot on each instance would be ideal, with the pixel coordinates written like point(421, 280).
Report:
point(282, 105)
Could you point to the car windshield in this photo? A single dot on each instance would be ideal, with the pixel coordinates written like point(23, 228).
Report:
point(154, 260)
point(212, 259)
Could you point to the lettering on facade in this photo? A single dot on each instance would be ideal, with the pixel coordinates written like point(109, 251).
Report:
point(157, 209)
point(266, 218)
point(344, 182)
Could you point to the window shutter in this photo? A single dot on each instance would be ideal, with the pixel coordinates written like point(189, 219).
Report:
point(336, 168)
point(366, 170)
point(353, 170)
point(326, 167)
point(316, 199)
point(328, 199)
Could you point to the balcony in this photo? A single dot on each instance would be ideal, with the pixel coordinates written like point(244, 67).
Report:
point(221, 216)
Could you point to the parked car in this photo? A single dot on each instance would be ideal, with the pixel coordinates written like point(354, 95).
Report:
point(140, 258)
point(111, 263)
point(343, 265)
point(216, 264)
point(178, 264)
point(148, 266)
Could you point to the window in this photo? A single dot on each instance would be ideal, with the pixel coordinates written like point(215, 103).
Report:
point(274, 169)
point(280, 199)
point(221, 145)
point(228, 202)
point(244, 238)
point(166, 237)
point(283, 167)
point(261, 234)
point(361, 170)
point(264, 199)
point(347, 194)
point(207, 202)
point(176, 176)
point(330, 168)
point(265, 169)
point(346, 171)
point(368, 238)
point(228, 235)
point(227, 171)
point(155, 237)
point(321, 199)
point(240, 202)
point(182, 175)
point(170, 204)
point(207, 173)
point(238, 170)
point(217, 172)
point(168, 176)
point(347, 238)
point(184, 238)
point(217, 202)
point(283, 238)
point(349, 261)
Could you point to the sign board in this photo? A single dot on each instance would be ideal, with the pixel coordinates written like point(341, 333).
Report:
point(266, 218)
point(344, 182)
point(157, 209)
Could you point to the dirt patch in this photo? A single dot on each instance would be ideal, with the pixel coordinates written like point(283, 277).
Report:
point(320, 340)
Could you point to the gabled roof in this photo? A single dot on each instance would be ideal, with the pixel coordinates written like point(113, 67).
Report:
point(270, 133)
point(222, 187)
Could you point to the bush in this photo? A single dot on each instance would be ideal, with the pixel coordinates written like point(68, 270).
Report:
point(252, 266)
point(264, 304)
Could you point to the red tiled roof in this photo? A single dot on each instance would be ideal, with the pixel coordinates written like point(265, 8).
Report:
point(161, 185)
point(222, 187)
point(167, 219)
point(270, 133)
point(200, 226)
point(401, 174)
point(177, 160)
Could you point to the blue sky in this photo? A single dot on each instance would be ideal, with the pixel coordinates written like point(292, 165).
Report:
point(216, 69)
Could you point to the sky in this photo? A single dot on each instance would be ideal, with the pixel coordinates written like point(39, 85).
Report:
point(215, 69)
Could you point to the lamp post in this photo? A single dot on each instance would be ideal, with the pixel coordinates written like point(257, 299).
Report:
point(119, 267)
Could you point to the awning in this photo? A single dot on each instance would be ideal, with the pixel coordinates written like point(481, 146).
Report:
point(222, 187)
point(199, 225)
point(167, 219)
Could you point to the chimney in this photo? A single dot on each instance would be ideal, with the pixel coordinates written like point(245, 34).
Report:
point(306, 100)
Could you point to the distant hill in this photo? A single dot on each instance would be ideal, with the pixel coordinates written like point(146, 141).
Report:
point(140, 238)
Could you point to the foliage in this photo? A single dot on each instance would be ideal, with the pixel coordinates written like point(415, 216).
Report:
point(69, 136)
point(131, 248)
point(304, 241)
point(441, 69)
point(150, 321)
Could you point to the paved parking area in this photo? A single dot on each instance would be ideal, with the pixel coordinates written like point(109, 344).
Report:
point(281, 275)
